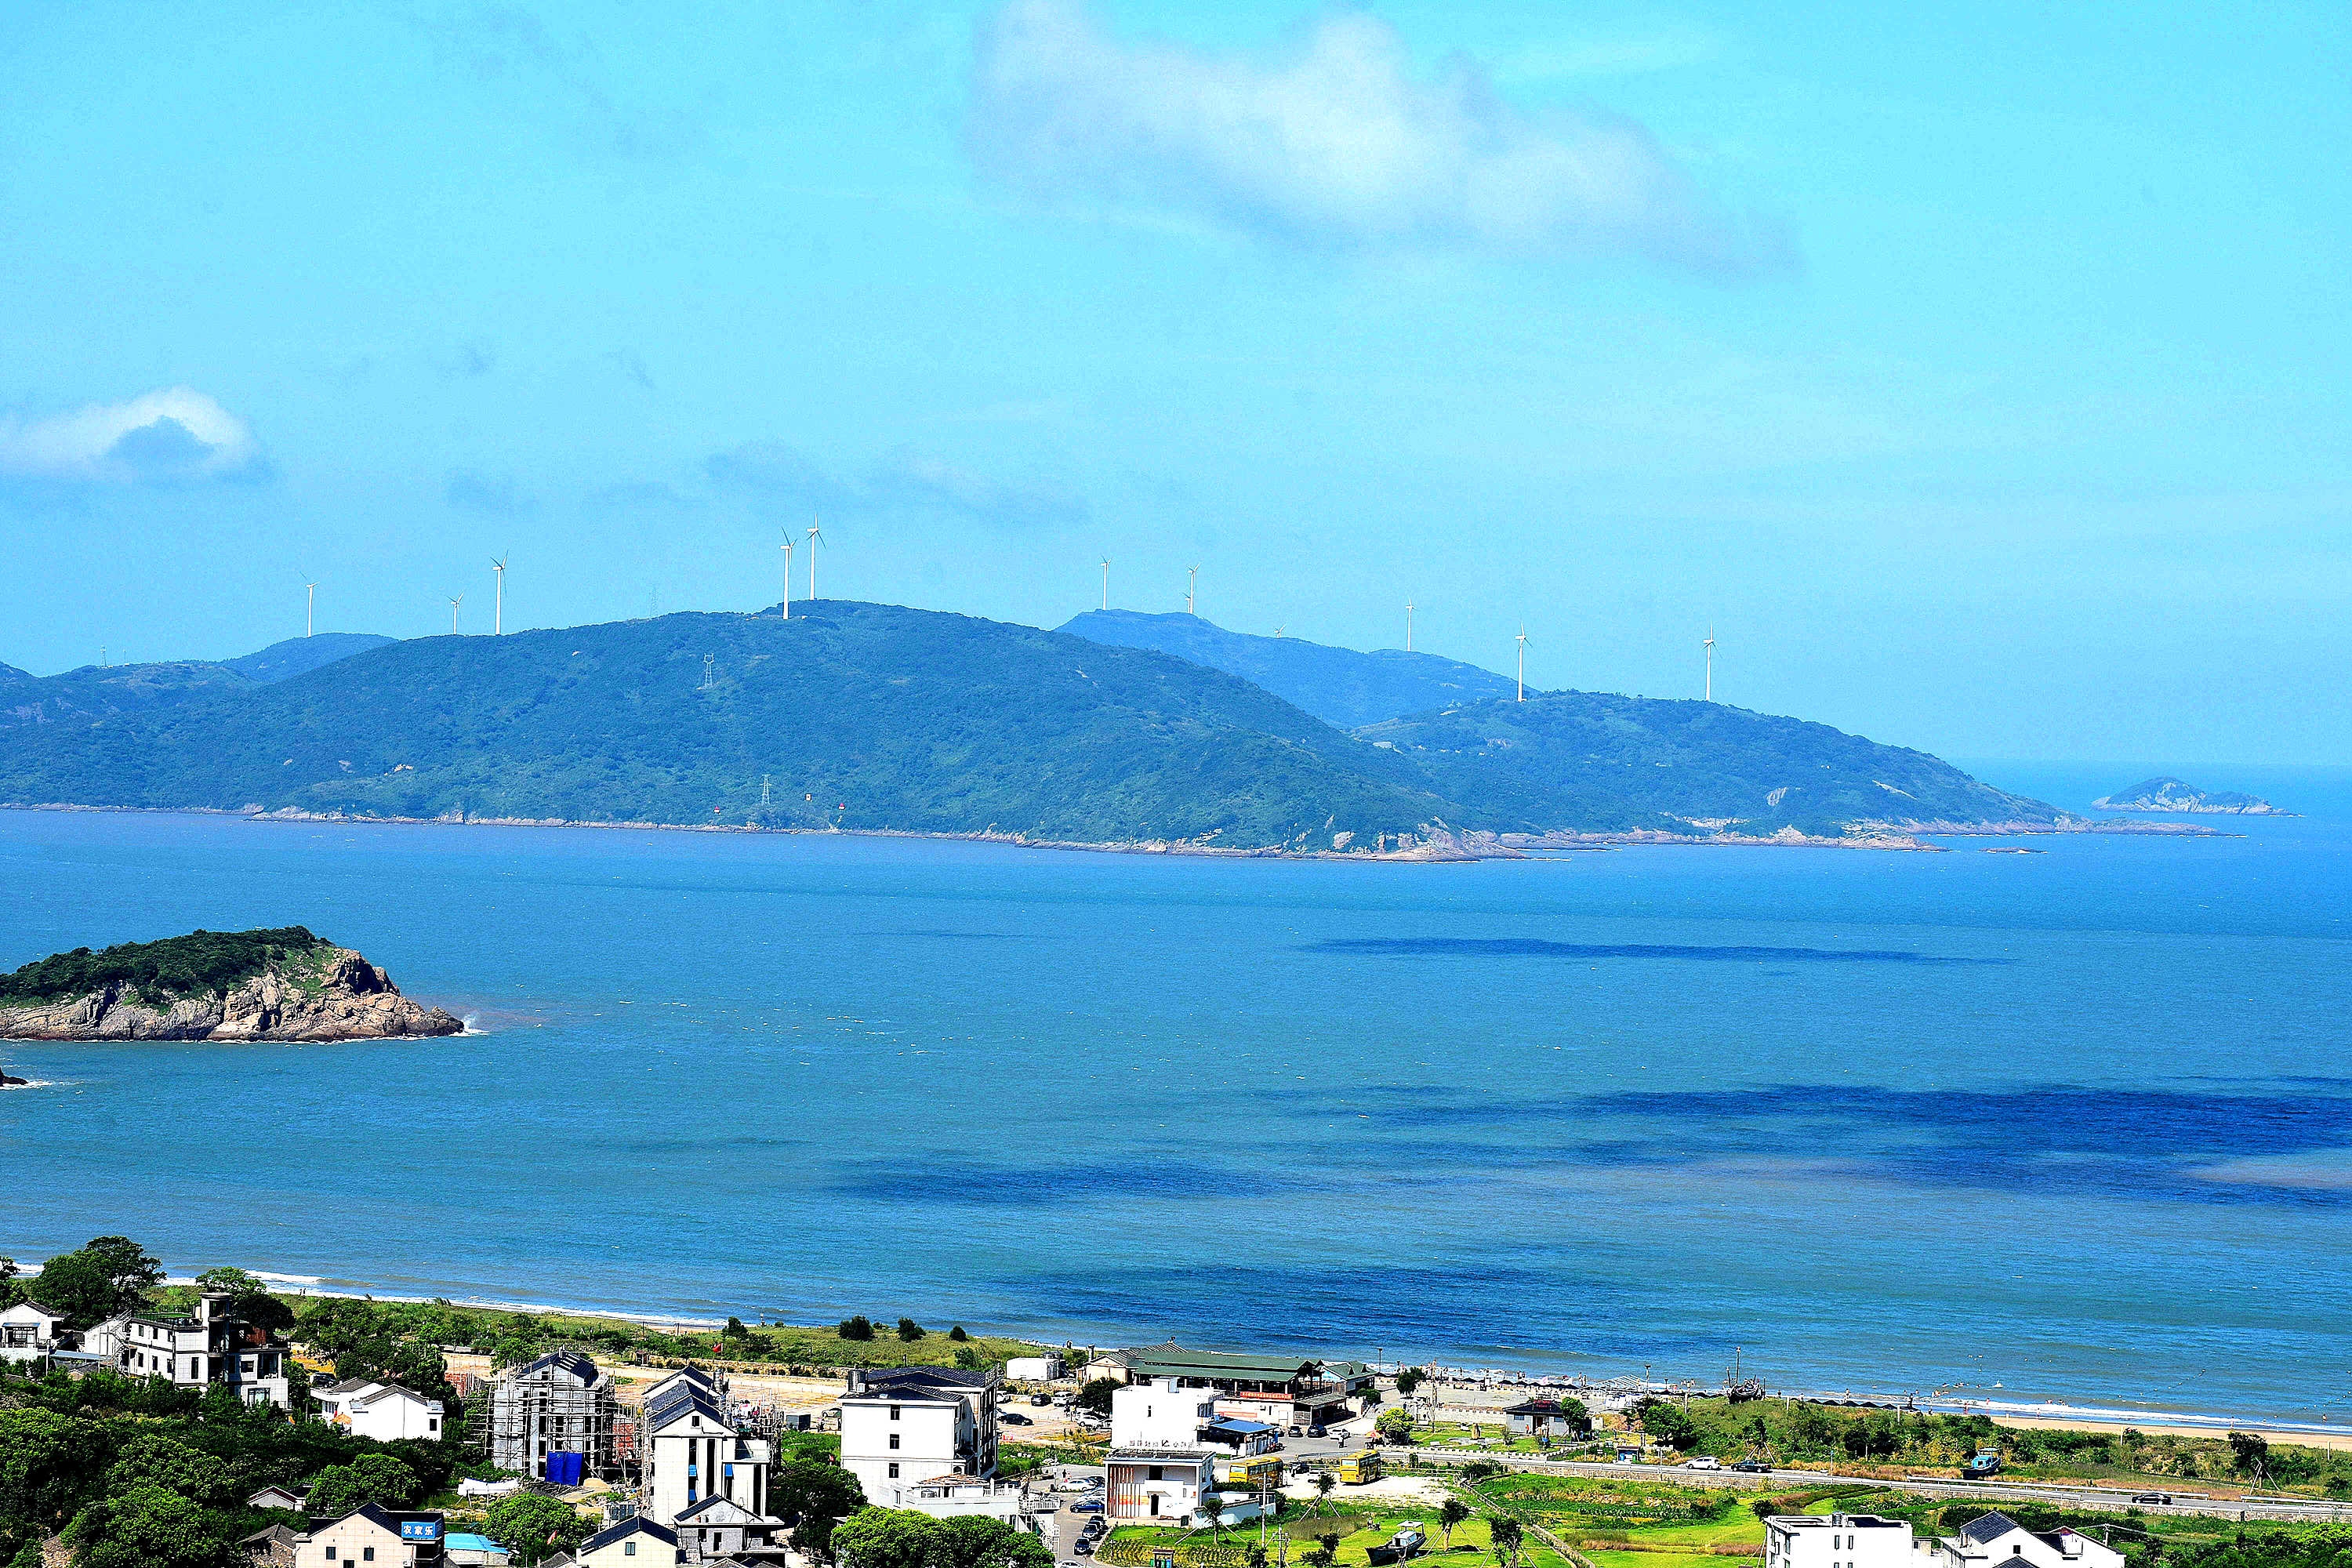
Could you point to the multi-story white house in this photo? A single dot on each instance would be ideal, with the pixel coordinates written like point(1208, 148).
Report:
point(31, 1331)
point(1836, 1541)
point(691, 1450)
point(1161, 1413)
point(1996, 1541)
point(214, 1346)
point(383, 1411)
point(905, 1424)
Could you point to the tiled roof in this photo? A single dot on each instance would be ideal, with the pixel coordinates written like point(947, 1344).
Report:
point(1990, 1527)
point(637, 1525)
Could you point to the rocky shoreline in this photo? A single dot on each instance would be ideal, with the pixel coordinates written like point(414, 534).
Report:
point(1444, 845)
point(347, 998)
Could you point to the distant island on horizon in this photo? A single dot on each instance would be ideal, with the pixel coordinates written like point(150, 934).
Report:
point(2172, 796)
point(1168, 734)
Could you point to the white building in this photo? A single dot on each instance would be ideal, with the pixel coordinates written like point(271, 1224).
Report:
point(383, 1411)
point(1159, 1413)
point(383, 1537)
point(1836, 1541)
point(1996, 1541)
point(1034, 1368)
point(691, 1450)
point(214, 1347)
point(29, 1331)
point(961, 1496)
point(904, 1425)
point(1157, 1483)
point(635, 1543)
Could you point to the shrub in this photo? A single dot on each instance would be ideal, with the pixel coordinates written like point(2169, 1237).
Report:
point(855, 1328)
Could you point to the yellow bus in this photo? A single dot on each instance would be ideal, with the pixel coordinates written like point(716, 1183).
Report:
point(1358, 1468)
point(1258, 1472)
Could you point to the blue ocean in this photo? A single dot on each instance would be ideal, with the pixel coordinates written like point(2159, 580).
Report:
point(2074, 1124)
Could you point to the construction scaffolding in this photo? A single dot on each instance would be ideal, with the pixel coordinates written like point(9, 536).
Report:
point(558, 1405)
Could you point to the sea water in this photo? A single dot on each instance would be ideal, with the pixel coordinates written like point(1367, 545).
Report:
point(2074, 1124)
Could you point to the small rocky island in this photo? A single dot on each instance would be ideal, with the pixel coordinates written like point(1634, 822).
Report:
point(2172, 795)
point(282, 984)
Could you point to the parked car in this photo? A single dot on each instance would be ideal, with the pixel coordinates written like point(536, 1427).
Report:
point(1754, 1466)
point(1092, 1505)
point(1295, 1431)
point(1014, 1418)
point(1319, 1431)
point(1085, 1548)
point(1040, 1401)
point(1703, 1462)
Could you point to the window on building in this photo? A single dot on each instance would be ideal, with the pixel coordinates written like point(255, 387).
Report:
point(628, 1549)
point(894, 1439)
point(331, 1554)
point(894, 1470)
point(893, 1412)
point(367, 1553)
point(1159, 1473)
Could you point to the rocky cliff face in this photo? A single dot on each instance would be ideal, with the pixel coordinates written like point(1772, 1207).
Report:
point(347, 998)
point(2170, 795)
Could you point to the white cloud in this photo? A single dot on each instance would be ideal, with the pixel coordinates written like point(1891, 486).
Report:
point(172, 436)
point(1337, 144)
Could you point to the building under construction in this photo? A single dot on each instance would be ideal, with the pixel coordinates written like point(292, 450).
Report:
point(554, 1419)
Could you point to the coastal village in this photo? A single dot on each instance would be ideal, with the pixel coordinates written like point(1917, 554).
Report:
point(1151, 1457)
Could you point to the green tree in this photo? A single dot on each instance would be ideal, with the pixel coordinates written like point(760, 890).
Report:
point(369, 1478)
point(52, 1464)
point(855, 1328)
point(1324, 1482)
point(1408, 1379)
point(533, 1526)
point(1763, 1508)
point(1254, 1555)
point(956, 1333)
point(1451, 1512)
point(1668, 1423)
point(152, 1459)
point(910, 1331)
point(889, 1538)
point(147, 1527)
point(968, 1358)
point(1395, 1424)
point(1508, 1535)
point(975, 1543)
point(95, 1282)
point(1095, 1396)
point(804, 1489)
point(734, 1329)
point(2248, 1450)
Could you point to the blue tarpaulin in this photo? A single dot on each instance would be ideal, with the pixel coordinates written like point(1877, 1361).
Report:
point(565, 1470)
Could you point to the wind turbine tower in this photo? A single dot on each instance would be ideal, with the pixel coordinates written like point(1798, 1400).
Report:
point(1710, 663)
point(499, 606)
point(309, 606)
point(814, 533)
point(1408, 625)
point(1106, 584)
point(1191, 579)
point(453, 613)
point(1523, 661)
point(788, 574)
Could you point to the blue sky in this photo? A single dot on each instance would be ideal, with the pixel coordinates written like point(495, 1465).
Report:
point(1979, 371)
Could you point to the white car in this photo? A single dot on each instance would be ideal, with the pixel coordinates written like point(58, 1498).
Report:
point(1703, 1462)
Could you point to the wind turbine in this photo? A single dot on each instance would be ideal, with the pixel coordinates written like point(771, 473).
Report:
point(788, 574)
point(309, 606)
point(1709, 645)
point(498, 612)
point(1106, 584)
point(1192, 577)
point(453, 613)
point(813, 534)
point(1408, 625)
point(1523, 661)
